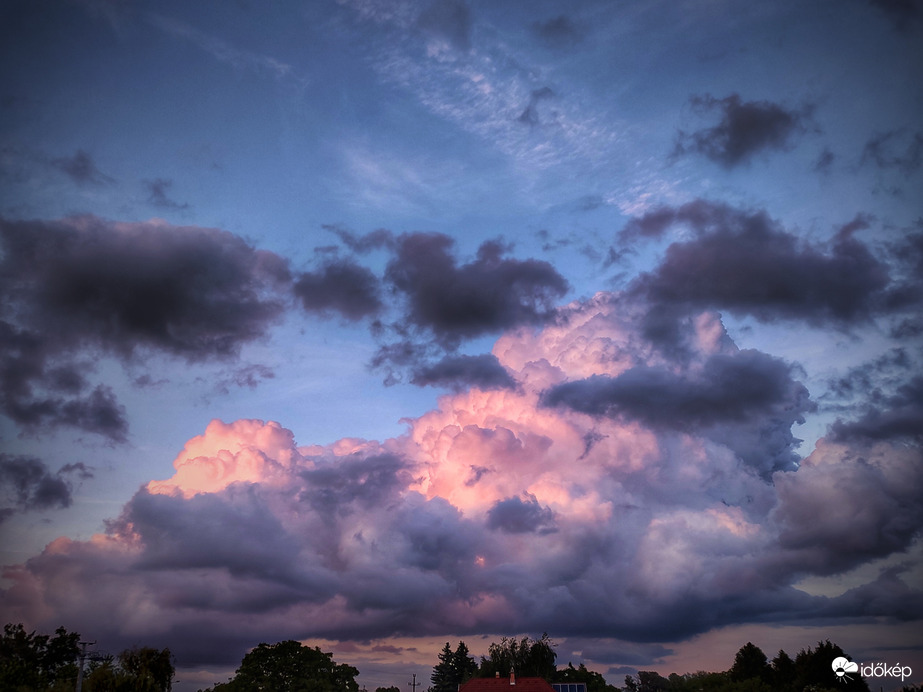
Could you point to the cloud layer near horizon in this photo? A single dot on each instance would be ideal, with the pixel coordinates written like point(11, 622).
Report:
point(512, 509)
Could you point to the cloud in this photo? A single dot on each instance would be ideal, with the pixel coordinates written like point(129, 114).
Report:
point(488, 294)
point(745, 129)
point(81, 169)
point(27, 484)
point(746, 263)
point(340, 286)
point(461, 372)
point(902, 12)
point(158, 194)
point(517, 516)
point(891, 417)
point(530, 116)
point(746, 400)
point(83, 286)
point(557, 32)
point(449, 21)
point(883, 151)
point(494, 513)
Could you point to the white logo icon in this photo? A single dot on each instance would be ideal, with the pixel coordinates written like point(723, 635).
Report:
point(843, 667)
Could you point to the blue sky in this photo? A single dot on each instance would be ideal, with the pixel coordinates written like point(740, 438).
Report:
point(469, 288)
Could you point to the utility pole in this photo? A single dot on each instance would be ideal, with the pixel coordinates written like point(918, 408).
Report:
point(413, 685)
point(82, 656)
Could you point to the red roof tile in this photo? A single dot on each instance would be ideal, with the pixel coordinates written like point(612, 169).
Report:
point(503, 685)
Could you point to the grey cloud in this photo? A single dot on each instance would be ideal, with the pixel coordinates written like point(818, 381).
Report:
point(81, 169)
point(378, 239)
point(488, 294)
point(745, 129)
point(558, 32)
point(747, 401)
point(893, 417)
point(515, 515)
point(903, 13)
point(461, 372)
point(449, 20)
point(744, 262)
point(342, 287)
point(530, 115)
point(82, 286)
point(885, 151)
point(28, 484)
point(158, 194)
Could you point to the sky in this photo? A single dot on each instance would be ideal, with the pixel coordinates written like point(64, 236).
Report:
point(378, 324)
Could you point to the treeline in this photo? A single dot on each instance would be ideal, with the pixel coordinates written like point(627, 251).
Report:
point(751, 671)
point(44, 663)
point(31, 662)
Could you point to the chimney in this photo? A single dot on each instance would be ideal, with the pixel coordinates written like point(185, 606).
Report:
point(512, 677)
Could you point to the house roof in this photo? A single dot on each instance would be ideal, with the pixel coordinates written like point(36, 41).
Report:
point(503, 685)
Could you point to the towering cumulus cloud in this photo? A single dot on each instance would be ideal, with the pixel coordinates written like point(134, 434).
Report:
point(614, 489)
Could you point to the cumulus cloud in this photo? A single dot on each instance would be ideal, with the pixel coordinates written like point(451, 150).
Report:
point(489, 294)
point(746, 400)
point(83, 286)
point(461, 372)
point(746, 263)
point(496, 513)
point(340, 286)
point(744, 129)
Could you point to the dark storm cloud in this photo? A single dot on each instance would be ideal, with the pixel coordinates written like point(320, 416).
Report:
point(449, 20)
point(558, 32)
point(887, 151)
point(27, 484)
point(515, 515)
point(78, 287)
point(488, 294)
point(889, 417)
point(463, 372)
point(745, 128)
point(81, 169)
point(340, 286)
point(747, 401)
point(158, 194)
point(744, 262)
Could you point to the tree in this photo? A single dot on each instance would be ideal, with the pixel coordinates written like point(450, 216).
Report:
point(454, 668)
point(290, 666)
point(443, 677)
point(813, 668)
point(526, 657)
point(388, 689)
point(141, 669)
point(594, 681)
point(749, 663)
point(30, 661)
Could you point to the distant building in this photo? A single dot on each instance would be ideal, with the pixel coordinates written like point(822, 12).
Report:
point(510, 684)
